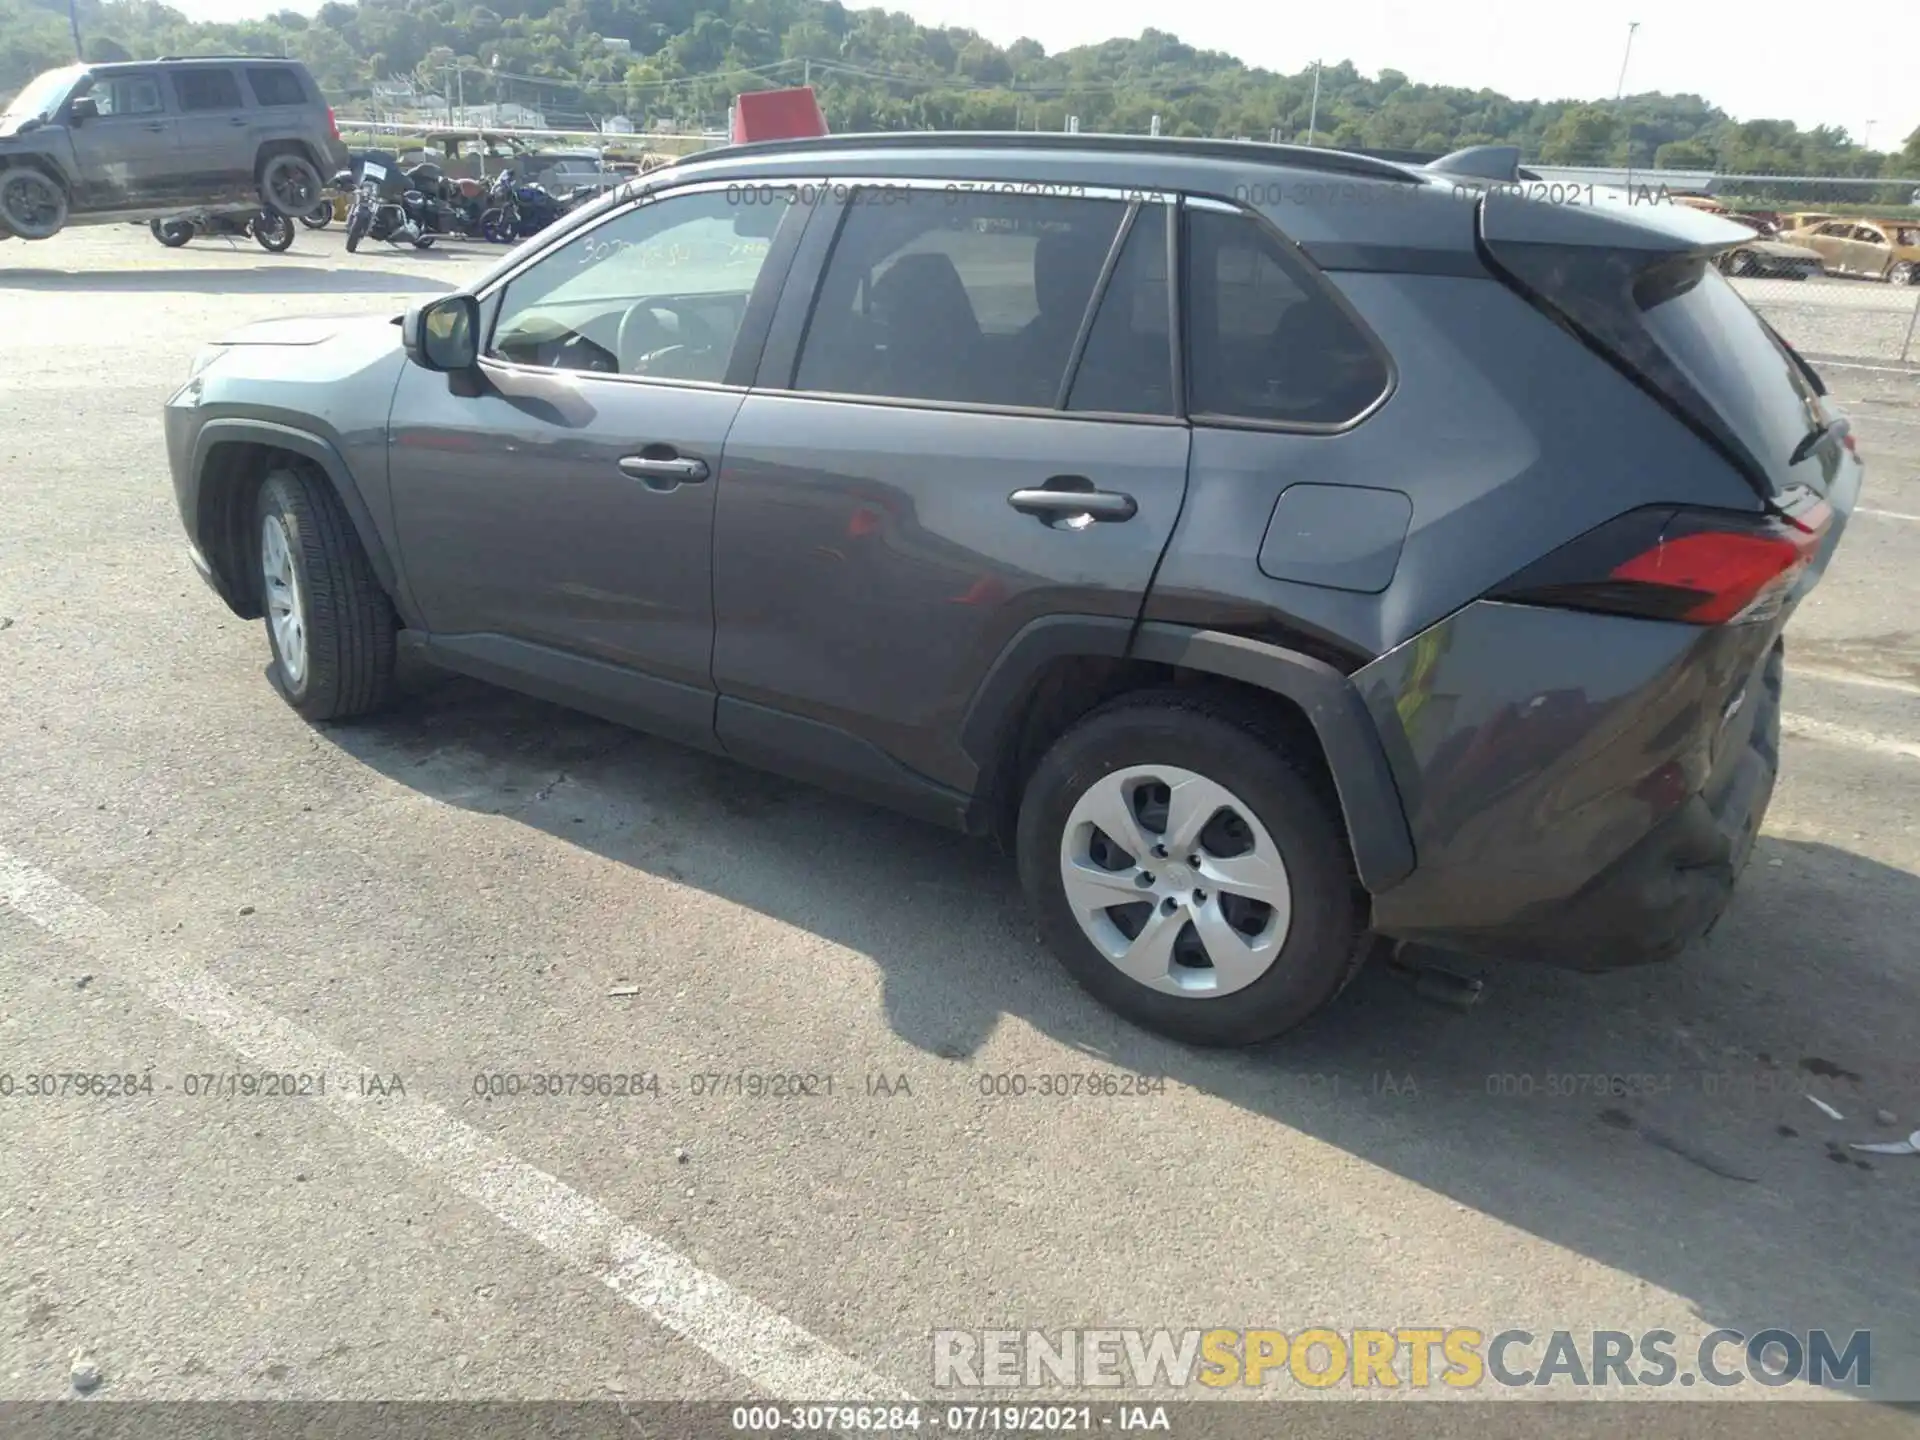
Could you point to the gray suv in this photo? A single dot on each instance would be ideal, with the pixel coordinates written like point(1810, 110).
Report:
point(150, 139)
point(1286, 553)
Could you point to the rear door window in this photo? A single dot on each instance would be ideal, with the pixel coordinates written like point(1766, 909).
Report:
point(276, 85)
point(1127, 366)
point(1266, 340)
point(974, 297)
point(207, 90)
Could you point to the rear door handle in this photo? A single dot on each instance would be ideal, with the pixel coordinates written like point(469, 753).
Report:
point(664, 472)
point(1050, 504)
point(236, 120)
point(155, 125)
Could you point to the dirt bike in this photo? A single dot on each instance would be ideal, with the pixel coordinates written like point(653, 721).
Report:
point(269, 229)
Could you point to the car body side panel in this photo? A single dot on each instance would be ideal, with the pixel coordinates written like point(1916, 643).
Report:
point(1503, 457)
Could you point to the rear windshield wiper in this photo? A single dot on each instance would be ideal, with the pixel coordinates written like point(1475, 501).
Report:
point(1811, 441)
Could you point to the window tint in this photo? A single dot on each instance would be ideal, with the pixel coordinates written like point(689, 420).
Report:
point(1264, 339)
point(276, 85)
point(659, 290)
point(974, 297)
point(1127, 367)
point(128, 95)
point(207, 90)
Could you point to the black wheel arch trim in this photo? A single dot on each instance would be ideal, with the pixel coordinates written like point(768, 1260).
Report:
point(1369, 800)
point(322, 453)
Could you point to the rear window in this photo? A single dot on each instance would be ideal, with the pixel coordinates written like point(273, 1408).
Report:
point(276, 85)
point(1712, 336)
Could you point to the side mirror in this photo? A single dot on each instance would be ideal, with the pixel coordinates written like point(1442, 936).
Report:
point(443, 334)
point(86, 107)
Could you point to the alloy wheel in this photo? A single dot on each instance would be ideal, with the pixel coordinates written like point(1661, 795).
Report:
point(286, 611)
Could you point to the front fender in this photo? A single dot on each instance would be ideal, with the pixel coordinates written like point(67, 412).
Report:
point(321, 452)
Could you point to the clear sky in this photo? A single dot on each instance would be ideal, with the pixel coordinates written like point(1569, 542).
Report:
point(1753, 58)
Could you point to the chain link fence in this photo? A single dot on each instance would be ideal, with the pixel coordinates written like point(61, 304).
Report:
point(1834, 264)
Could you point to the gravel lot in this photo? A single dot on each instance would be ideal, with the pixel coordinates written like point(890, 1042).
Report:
point(193, 881)
point(1844, 318)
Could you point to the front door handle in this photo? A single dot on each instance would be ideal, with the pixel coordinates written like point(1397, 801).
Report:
point(156, 126)
point(236, 120)
point(664, 471)
point(1062, 503)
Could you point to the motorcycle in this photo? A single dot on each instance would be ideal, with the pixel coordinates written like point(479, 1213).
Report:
point(516, 211)
point(383, 207)
point(269, 229)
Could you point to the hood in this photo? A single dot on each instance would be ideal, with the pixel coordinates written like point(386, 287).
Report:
point(14, 125)
point(1782, 249)
point(309, 331)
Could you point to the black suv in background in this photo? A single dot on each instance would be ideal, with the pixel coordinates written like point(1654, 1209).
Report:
point(146, 140)
point(1283, 551)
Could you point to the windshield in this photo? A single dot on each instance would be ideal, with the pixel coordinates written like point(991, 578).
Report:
point(41, 94)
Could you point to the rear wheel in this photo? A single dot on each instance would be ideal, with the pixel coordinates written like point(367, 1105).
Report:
point(329, 624)
point(1188, 872)
point(33, 205)
point(171, 233)
point(1901, 272)
point(319, 217)
point(289, 185)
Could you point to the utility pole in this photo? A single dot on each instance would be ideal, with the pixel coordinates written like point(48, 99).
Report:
point(1867, 144)
point(73, 14)
point(1621, 88)
point(806, 72)
point(1313, 110)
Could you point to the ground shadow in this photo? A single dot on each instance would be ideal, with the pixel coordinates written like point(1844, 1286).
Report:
point(263, 277)
point(1654, 1120)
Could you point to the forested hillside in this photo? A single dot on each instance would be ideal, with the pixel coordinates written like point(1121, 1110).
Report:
point(683, 59)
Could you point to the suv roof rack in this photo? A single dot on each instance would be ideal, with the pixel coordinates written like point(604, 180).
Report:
point(276, 59)
point(1306, 157)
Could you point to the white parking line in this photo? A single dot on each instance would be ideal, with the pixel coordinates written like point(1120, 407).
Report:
point(1808, 728)
point(1848, 677)
point(771, 1352)
point(1885, 514)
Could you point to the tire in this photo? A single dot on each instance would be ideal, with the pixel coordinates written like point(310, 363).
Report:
point(336, 659)
point(1902, 272)
point(357, 225)
point(319, 217)
point(272, 231)
point(171, 233)
point(1308, 955)
point(424, 242)
point(33, 205)
point(289, 185)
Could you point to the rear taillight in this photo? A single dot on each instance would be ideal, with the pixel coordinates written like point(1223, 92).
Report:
point(1700, 567)
point(333, 125)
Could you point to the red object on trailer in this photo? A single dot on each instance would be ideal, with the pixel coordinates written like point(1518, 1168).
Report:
point(777, 115)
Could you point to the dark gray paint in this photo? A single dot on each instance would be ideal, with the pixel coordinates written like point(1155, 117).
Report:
point(868, 569)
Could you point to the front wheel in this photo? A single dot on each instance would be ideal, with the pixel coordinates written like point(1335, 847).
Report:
point(357, 223)
point(272, 232)
point(330, 626)
point(33, 205)
point(1902, 272)
point(171, 233)
point(1190, 872)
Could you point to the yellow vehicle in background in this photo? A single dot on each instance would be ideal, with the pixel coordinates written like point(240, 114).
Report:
point(1879, 249)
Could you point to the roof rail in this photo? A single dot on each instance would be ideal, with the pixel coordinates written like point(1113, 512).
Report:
point(1306, 157)
point(273, 59)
